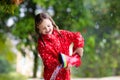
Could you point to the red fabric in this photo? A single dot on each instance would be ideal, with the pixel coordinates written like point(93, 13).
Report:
point(76, 60)
point(54, 44)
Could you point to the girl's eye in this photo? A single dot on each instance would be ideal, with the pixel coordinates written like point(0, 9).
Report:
point(48, 25)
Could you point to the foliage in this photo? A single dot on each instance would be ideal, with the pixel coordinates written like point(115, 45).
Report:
point(104, 60)
point(7, 57)
point(6, 6)
point(5, 49)
point(12, 76)
point(97, 20)
point(4, 66)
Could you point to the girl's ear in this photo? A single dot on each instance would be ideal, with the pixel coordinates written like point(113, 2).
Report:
point(37, 26)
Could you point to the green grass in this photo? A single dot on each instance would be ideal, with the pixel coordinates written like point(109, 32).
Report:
point(12, 76)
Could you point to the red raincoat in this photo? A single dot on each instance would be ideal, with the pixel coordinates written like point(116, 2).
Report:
point(54, 44)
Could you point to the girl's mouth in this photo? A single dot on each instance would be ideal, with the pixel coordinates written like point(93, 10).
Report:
point(47, 32)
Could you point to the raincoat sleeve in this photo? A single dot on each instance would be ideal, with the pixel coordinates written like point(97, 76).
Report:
point(75, 37)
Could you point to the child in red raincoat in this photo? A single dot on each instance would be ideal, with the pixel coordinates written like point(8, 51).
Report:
point(52, 42)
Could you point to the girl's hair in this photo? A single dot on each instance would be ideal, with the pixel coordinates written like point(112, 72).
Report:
point(38, 20)
point(40, 17)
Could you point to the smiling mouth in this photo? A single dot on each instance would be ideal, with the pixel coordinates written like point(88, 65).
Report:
point(48, 31)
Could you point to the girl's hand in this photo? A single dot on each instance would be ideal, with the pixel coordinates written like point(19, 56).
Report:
point(68, 67)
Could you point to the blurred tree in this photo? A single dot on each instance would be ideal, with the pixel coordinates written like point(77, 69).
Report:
point(97, 20)
point(9, 6)
point(107, 21)
point(4, 66)
point(7, 56)
point(105, 61)
point(24, 30)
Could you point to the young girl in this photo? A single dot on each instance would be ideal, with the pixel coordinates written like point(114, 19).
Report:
point(53, 42)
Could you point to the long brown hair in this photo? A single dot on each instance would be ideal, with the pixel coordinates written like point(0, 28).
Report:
point(38, 20)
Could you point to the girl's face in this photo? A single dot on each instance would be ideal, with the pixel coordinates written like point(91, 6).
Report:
point(46, 27)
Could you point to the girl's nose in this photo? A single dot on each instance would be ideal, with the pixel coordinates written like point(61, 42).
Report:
point(47, 28)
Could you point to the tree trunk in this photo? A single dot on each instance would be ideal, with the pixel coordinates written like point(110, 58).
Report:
point(35, 65)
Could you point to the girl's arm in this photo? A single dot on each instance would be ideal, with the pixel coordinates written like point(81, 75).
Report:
point(77, 39)
point(79, 51)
